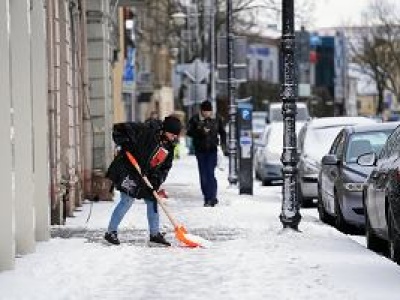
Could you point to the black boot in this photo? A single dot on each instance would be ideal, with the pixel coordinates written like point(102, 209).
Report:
point(159, 240)
point(112, 237)
point(207, 204)
point(214, 202)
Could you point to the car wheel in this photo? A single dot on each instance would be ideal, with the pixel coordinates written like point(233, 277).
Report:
point(266, 182)
point(394, 239)
point(374, 243)
point(340, 222)
point(323, 215)
point(305, 202)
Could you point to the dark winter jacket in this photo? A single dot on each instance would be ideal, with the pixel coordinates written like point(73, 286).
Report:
point(205, 131)
point(144, 143)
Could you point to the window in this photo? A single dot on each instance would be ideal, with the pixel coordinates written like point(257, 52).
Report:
point(336, 143)
point(365, 142)
point(340, 146)
point(392, 146)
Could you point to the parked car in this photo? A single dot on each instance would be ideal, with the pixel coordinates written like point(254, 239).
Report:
point(258, 124)
point(315, 140)
point(341, 179)
point(275, 112)
point(381, 197)
point(267, 158)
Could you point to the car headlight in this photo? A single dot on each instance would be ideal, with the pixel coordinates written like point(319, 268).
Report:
point(354, 186)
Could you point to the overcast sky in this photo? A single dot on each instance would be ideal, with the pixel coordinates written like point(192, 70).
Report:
point(329, 13)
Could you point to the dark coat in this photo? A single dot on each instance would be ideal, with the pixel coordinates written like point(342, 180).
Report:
point(143, 142)
point(205, 132)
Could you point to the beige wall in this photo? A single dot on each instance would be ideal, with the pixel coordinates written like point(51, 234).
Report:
point(366, 105)
point(119, 111)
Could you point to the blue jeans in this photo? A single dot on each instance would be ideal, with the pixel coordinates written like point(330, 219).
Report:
point(207, 161)
point(122, 208)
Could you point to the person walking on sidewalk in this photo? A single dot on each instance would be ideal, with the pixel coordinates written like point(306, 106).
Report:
point(154, 120)
point(153, 149)
point(204, 128)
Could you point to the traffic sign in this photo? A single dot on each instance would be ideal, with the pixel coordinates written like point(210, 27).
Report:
point(197, 71)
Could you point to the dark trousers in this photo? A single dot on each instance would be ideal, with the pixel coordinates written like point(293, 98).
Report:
point(207, 161)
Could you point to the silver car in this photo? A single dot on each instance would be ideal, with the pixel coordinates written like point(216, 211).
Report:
point(315, 140)
point(341, 179)
point(267, 157)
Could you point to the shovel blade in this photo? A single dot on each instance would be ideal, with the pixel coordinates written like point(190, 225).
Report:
point(190, 240)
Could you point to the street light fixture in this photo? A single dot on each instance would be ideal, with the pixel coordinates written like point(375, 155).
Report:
point(179, 18)
point(232, 177)
point(290, 216)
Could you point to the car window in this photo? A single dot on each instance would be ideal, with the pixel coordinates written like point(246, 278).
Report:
point(321, 136)
point(392, 146)
point(365, 142)
point(265, 135)
point(340, 146)
point(300, 141)
point(335, 143)
point(276, 114)
point(275, 140)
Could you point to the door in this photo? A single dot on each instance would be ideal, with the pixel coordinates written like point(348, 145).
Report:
point(388, 162)
point(331, 173)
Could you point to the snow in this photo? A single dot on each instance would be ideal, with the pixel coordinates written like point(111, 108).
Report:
point(250, 256)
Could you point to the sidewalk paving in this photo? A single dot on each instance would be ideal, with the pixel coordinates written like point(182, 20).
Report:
point(251, 257)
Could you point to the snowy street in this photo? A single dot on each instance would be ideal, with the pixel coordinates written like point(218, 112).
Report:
point(251, 257)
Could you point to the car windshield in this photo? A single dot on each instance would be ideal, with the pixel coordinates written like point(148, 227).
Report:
point(258, 121)
point(365, 142)
point(302, 115)
point(258, 125)
point(321, 136)
point(275, 140)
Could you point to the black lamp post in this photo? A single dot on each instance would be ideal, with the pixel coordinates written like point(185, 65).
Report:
point(232, 143)
point(290, 215)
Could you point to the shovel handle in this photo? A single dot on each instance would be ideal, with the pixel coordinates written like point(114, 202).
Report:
point(148, 183)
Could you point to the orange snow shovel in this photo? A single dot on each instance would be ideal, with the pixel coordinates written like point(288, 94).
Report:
point(180, 231)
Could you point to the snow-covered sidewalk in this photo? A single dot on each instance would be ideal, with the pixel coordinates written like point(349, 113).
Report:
point(251, 257)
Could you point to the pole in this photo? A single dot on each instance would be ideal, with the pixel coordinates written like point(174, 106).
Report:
point(290, 215)
point(232, 177)
point(212, 55)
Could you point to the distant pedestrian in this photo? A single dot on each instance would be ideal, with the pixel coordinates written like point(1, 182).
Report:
point(207, 132)
point(153, 148)
point(154, 120)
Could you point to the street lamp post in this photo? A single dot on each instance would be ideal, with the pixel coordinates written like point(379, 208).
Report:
point(290, 215)
point(232, 177)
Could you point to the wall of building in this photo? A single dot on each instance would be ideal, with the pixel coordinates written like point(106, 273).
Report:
point(263, 62)
point(99, 24)
point(118, 67)
point(24, 201)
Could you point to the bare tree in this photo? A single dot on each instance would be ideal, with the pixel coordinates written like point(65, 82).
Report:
point(377, 51)
point(246, 15)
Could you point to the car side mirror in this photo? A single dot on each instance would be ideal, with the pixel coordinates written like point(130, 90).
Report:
point(330, 160)
point(367, 160)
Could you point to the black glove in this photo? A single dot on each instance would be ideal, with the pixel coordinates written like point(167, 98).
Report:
point(155, 181)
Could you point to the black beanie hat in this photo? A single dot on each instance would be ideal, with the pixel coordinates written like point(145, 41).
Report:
point(172, 125)
point(206, 106)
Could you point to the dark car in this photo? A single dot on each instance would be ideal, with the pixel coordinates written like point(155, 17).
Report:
point(381, 198)
point(341, 178)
